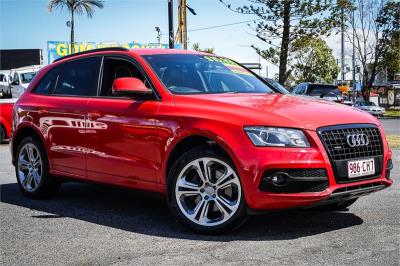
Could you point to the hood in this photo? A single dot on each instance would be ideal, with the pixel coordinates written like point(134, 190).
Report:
point(274, 110)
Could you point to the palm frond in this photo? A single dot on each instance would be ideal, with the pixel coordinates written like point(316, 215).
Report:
point(87, 6)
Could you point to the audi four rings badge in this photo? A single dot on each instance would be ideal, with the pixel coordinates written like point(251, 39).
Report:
point(357, 140)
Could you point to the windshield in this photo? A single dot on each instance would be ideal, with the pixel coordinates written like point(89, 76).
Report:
point(318, 90)
point(367, 104)
point(27, 77)
point(201, 74)
point(277, 85)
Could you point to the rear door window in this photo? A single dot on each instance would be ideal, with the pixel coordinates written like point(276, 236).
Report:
point(79, 77)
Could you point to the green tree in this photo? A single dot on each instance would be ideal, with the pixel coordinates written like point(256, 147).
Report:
point(389, 41)
point(312, 61)
point(286, 21)
point(376, 26)
point(196, 47)
point(78, 7)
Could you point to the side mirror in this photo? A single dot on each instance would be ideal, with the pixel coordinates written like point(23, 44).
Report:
point(15, 82)
point(130, 86)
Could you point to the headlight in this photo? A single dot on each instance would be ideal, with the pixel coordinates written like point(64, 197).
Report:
point(277, 137)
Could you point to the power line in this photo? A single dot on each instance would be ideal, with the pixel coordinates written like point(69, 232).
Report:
point(223, 25)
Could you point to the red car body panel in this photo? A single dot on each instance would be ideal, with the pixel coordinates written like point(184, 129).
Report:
point(6, 108)
point(127, 142)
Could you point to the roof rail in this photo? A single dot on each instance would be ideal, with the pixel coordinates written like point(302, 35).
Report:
point(93, 51)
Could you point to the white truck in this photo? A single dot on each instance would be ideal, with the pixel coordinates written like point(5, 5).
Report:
point(21, 77)
point(5, 80)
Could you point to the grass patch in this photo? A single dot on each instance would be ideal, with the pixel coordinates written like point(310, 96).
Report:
point(394, 141)
point(392, 113)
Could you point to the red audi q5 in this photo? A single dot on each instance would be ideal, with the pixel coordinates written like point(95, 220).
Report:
point(201, 129)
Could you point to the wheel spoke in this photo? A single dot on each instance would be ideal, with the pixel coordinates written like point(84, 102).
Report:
point(202, 176)
point(204, 213)
point(228, 183)
point(196, 209)
point(28, 179)
point(185, 188)
point(229, 172)
point(30, 153)
point(36, 178)
point(23, 164)
point(223, 205)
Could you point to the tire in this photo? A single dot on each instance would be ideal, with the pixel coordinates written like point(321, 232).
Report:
point(213, 201)
point(338, 206)
point(32, 170)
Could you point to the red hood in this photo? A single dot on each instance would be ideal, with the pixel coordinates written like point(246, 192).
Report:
point(275, 110)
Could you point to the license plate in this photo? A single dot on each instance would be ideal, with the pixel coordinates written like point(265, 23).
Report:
point(361, 168)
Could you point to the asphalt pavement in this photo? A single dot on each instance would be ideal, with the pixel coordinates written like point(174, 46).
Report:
point(391, 125)
point(88, 224)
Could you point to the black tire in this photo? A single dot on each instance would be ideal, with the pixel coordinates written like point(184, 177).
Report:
point(48, 185)
point(2, 135)
point(337, 206)
point(235, 221)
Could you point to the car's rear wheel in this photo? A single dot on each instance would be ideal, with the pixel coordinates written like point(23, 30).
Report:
point(32, 170)
point(205, 192)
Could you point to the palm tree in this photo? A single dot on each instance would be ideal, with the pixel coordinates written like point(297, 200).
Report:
point(78, 7)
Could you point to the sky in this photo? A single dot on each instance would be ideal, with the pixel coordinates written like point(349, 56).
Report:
point(28, 24)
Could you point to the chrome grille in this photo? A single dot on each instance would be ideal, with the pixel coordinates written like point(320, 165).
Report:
point(337, 147)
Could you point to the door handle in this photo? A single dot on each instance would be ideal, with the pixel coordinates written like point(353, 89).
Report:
point(94, 115)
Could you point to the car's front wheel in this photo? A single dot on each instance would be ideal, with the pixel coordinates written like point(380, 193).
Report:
point(205, 192)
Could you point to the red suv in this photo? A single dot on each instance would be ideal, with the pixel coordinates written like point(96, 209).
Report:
point(199, 128)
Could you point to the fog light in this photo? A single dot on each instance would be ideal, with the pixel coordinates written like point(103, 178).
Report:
point(280, 179)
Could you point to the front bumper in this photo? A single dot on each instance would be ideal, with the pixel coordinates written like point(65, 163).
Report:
point(256, 161)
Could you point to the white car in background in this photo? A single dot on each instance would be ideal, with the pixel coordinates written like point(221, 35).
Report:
point(370, 107)
point(5, 80)
point(21, 77)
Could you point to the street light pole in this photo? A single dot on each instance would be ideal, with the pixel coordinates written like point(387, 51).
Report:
point(171, 24)
point(353, 59)
point(342, 44)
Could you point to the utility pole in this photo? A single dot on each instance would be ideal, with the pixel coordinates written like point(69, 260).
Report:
point(353, 61)
point(171, 24)
point(342, 44)
point(181, 35)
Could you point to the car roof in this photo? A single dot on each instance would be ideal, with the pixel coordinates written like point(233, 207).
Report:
point(150, 51)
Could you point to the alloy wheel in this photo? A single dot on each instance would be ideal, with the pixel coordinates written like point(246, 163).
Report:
point(30, 167)
point(208, 191)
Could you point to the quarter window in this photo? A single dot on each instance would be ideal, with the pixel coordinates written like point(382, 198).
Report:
point(48, 82)
point(79, 77)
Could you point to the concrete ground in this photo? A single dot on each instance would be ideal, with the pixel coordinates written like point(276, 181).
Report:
point(95, 225)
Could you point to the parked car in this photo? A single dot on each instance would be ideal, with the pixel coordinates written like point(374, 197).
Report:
point(323, 91)
point(21, 77)
point(276, 85)
point(370, 107)
point(200, 129)
point(5, 80)
point(347, 100)
point(6, 107)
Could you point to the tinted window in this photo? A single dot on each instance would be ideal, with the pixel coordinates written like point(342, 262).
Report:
point(79, 77)
point(317, 90)
point(48, 82)
point(200, 74)
point(27, 77)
